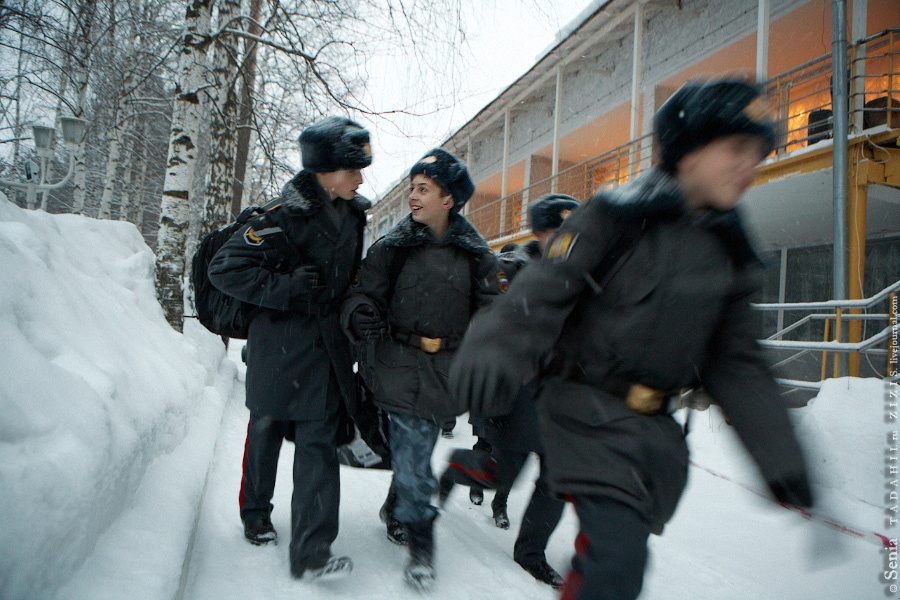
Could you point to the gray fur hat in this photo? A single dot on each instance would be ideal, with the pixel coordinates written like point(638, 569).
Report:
point(335, 143)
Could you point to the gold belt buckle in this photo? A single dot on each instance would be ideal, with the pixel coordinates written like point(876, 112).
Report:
point(429, 345)
point(644, 400)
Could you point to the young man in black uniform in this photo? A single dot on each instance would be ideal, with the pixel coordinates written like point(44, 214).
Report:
point(514, 436)
point(644, 291)
point(418, 288)
point(296, 262)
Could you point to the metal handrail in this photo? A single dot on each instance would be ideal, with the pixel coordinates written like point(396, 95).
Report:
point(824, 317)
point(843, 347)
point(835, 346)
point(862, 303)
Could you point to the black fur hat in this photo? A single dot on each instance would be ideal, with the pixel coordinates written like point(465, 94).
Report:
point(701, 111)
point(549, 211)
point(450, 173)
point(335, 143)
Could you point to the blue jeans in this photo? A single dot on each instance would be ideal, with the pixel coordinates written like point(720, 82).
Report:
point(412, 442)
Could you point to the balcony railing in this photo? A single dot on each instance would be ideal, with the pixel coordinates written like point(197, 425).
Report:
point(803, 112)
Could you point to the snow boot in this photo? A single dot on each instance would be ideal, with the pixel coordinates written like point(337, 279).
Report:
point(543, 572)
point(259, 531)
point(329, 567)
point(396, 533)
point(445, 486)
point(419, 573)
point(476, 495)
point(501, 519)
point(395, 530)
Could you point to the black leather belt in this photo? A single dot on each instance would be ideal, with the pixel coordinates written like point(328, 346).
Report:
point(637, 397)
point(426, 344)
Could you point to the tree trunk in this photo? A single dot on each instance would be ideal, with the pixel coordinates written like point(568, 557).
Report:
point(113, 158)
point(121, 122)
point(180, 165)
point(219, 191)
point(248, 71)
point(17, 126)
point(130, 206)
point(83, 45)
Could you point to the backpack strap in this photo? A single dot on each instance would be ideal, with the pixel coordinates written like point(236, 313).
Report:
point(292, 255)
point(619, 253)
point(399, 255)
point(473, 285)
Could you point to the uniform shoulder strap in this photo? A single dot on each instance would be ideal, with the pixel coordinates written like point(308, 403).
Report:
point(398, 258)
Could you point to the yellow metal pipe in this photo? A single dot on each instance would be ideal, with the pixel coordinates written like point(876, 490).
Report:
point(857, 201)
point(837, 338)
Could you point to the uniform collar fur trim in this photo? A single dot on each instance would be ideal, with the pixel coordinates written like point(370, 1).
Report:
point(656, 196)
point(408, 233)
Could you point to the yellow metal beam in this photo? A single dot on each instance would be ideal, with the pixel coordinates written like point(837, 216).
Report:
point(858, 175)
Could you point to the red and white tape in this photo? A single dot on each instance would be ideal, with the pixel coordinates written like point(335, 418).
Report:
point(872, 537)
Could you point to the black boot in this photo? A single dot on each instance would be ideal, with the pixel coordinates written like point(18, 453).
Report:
point(259, 530)
point(445, 486)
point(419, 573)
point(501, 519)
point(476, 495)
point(543, 572)
point(395, 530)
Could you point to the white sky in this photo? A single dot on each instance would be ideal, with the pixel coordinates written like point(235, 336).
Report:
point(504, 39)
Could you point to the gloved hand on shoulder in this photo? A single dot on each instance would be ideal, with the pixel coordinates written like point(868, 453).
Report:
point(366, 323)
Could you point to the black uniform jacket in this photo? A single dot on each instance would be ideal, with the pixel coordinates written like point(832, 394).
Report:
point(295, 337)
point(517, 431)
point(675, 314)
point(439, 286)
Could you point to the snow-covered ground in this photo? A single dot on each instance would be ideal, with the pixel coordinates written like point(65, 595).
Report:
point(121, 444)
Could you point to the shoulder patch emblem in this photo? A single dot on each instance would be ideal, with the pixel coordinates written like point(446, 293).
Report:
point(562, 246)
point(503, 280)
point(251, 238)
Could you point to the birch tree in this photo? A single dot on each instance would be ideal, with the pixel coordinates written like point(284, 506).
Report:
point(174, 217)
point(224, 113)
point(82, 44)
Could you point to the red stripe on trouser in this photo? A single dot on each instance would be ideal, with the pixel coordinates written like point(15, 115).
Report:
point(244, 468)
point(486, 476)
point(574, 580)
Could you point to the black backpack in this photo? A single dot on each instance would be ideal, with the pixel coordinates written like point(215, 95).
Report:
point(217, 311)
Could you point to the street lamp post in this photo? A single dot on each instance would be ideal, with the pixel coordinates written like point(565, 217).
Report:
point(73, 130)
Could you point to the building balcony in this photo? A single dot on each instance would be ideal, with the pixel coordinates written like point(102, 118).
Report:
point(802, 108)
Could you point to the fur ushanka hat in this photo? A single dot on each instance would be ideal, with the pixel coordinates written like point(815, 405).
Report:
point(335, 143)
point(449, 172)
point(701, 111)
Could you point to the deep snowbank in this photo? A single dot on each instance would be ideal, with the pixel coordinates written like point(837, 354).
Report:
point(94, 386)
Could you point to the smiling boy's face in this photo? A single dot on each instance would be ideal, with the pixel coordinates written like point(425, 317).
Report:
point(428, 201)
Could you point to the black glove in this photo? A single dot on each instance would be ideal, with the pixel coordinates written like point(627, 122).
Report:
point(793, 490)
point(305, 281)
point(365, 323)
point(485, 380)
